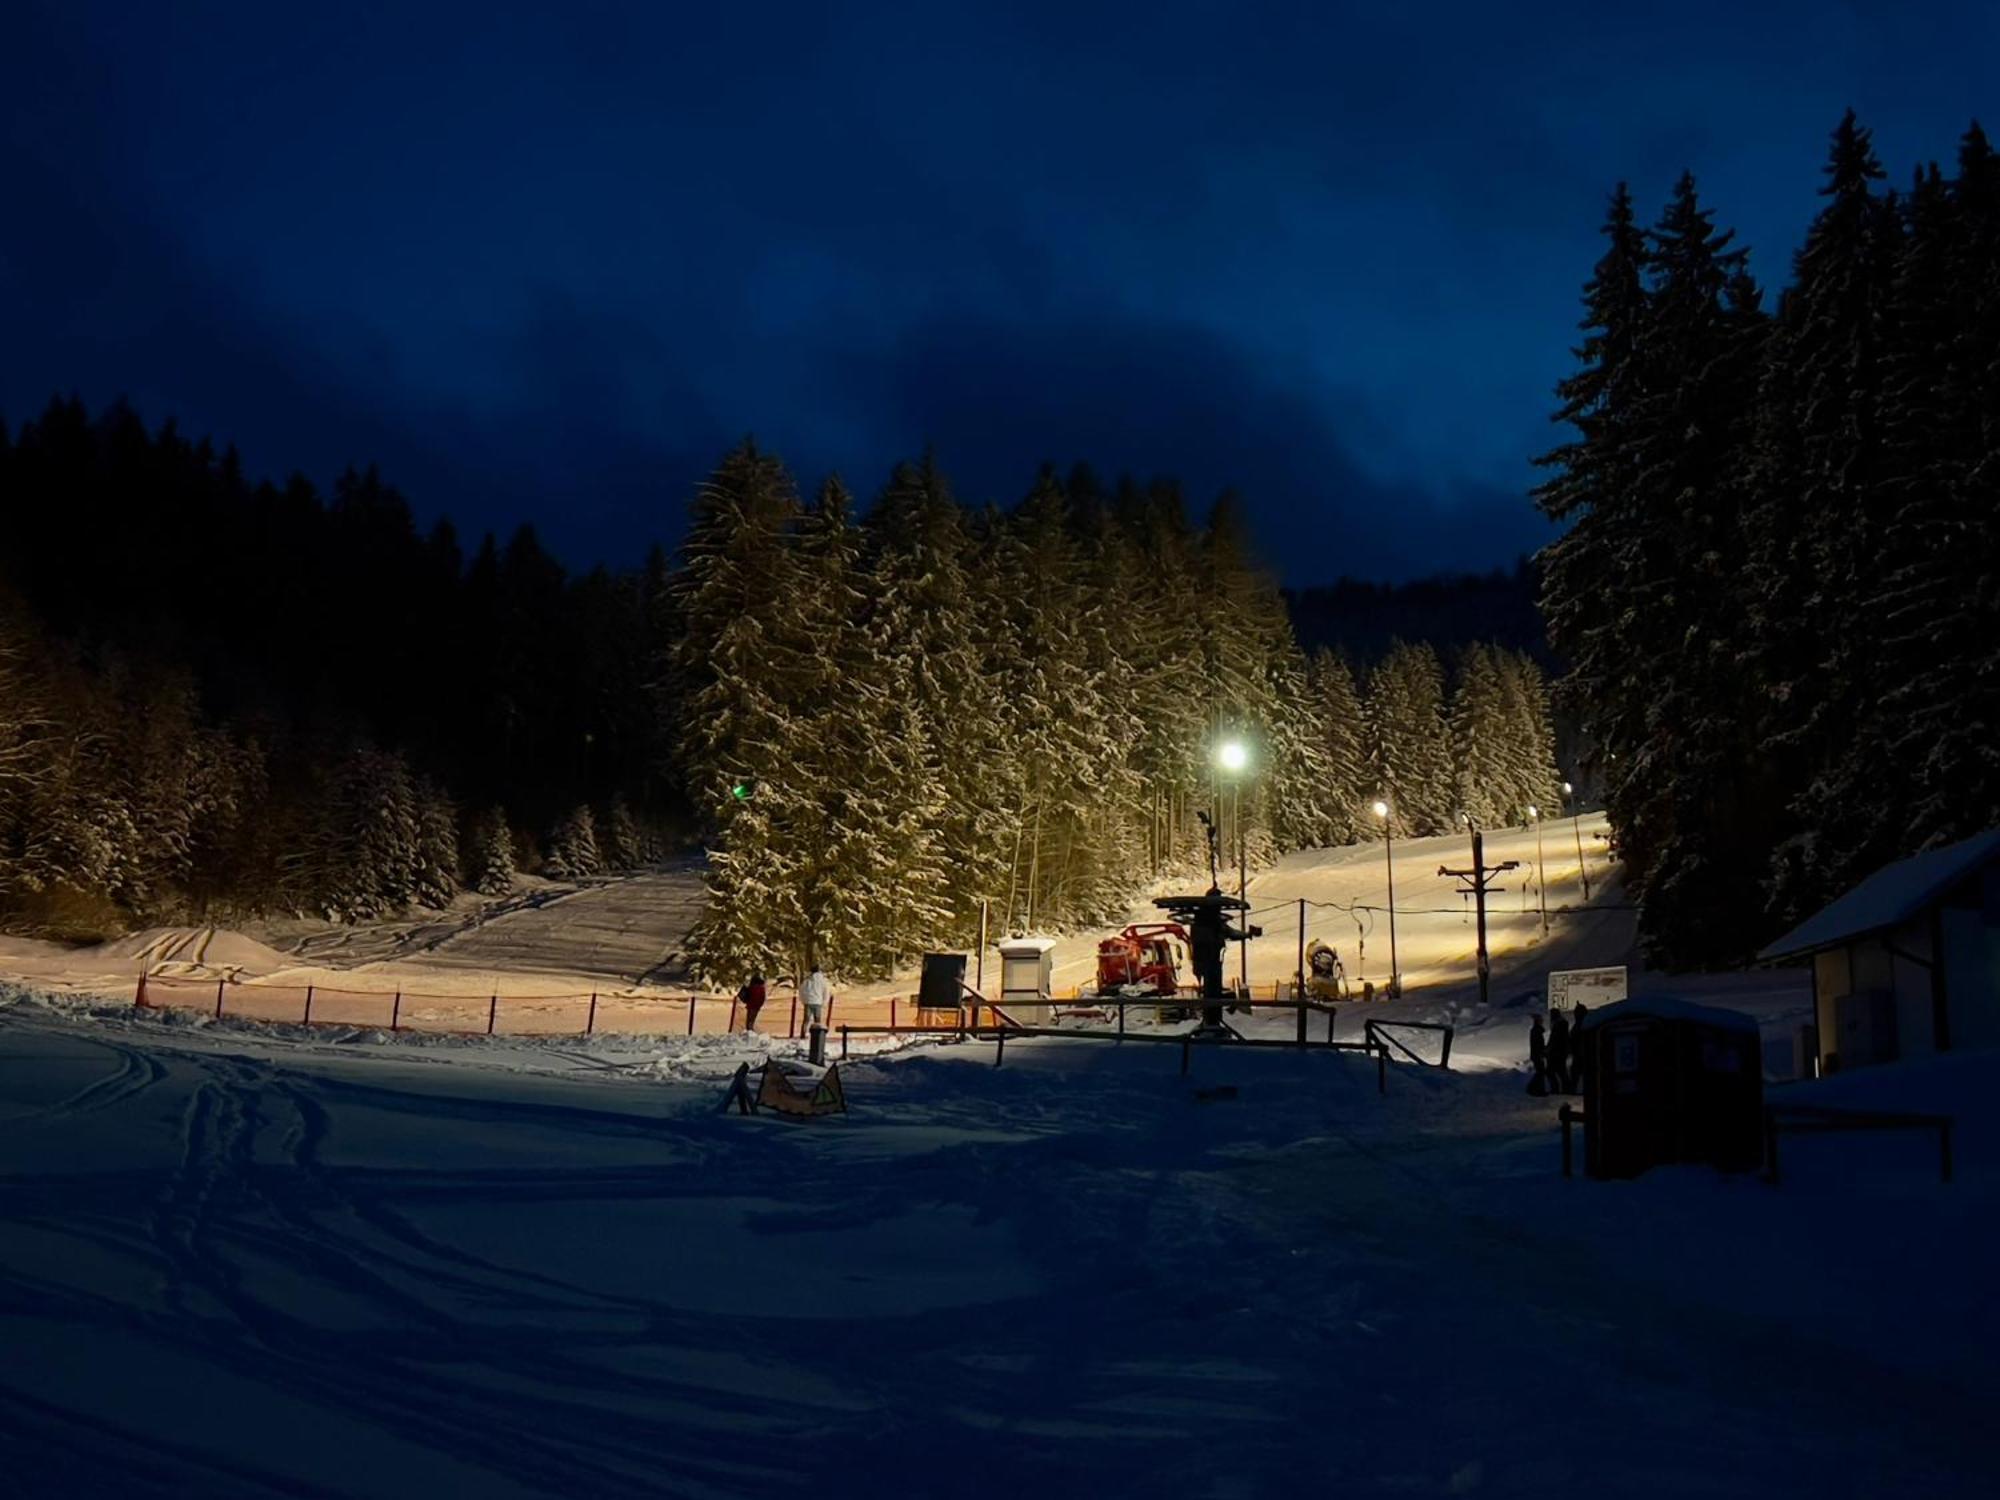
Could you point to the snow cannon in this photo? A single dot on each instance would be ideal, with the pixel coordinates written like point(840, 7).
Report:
point(1326, 979)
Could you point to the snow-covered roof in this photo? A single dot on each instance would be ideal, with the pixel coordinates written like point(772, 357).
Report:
point(1888, 898)
point(1668, 1008)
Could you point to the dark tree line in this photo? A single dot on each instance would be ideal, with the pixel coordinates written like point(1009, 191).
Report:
point(226, 691)
point(1779, 594)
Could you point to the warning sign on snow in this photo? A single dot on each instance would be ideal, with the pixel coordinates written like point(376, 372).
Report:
point(1569, 988)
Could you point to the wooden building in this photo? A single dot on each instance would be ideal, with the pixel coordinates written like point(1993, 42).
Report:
point(1908, 962)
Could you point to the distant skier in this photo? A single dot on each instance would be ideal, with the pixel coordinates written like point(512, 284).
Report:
point(1538, 1058)
point(1559, 1051)
point(816, 995)
point(1573, 1080)
point(752, 997)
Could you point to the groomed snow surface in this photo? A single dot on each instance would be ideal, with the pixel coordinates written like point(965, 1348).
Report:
point(245, 1261)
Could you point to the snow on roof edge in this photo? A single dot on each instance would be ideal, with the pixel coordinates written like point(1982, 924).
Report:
point(1887, 898)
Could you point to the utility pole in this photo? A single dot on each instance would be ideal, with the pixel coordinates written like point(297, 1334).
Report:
point(1576, 827)
point(1476, 882)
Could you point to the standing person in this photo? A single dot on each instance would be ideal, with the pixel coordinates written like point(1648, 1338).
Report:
point(1573, 1080)
point(1559, 1051)
point(1538, 1058)
point(816, 995)
point(753, 995)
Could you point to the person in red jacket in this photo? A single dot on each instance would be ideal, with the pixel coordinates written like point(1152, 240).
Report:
point(752, 995)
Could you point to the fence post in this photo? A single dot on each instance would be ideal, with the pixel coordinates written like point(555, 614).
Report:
point(1329, 1025)
point(892, 1014)
point(732, 1016)
point(1445, 1061)
point(218, 998)
point(999, 1045)
point(792, 1021)
point(492, 1015)
point(1121, 1017)
point(308, 1020)
point(691, 1000)
point(139, 996)
point(590, 1023)
point(396, 1012)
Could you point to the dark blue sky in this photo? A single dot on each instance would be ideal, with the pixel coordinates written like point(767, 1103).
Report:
point(545, 263)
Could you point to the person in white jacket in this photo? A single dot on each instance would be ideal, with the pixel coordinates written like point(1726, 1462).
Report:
point(815, 995)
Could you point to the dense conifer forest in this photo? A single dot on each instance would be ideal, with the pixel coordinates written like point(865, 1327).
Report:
point(1778, 596)
point(224, 695)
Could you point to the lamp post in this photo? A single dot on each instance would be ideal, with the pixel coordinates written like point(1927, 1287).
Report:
point(1575, 827)
point(1541, 881)
point(1395, 986)
point(1233, 756)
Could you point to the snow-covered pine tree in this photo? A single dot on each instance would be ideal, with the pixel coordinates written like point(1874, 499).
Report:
point(361, 857)
point(623, 847)
point(1302, 792)
point(1348, 780)
point(871, 870)
point(1919, 767)
point(436, 882)
point(1592, 481)
point(1812, 533)
point(1482, 738)
point(1409, 744)
point(1108, 570)
point(572, 852)
point(1687, 804)
point(490, 854)
point(741, 684)
point(1940, 595)
point(1162, 643)
point(922, 614)
point(1057, 729)
point(1529, 772)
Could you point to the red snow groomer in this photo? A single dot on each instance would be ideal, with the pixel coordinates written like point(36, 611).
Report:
point(1140, 957)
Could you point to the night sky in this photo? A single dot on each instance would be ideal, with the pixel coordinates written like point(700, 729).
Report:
point(547, 263)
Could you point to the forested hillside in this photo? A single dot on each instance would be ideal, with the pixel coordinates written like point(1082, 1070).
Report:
point(1779, 594)
point(224, 695)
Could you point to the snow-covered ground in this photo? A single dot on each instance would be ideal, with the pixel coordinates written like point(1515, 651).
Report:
point(245, 1260)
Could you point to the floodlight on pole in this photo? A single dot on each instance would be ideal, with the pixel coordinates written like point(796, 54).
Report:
point(1389, 864)
point(1541, 884)
point(1233, 756)
point(1576, 829)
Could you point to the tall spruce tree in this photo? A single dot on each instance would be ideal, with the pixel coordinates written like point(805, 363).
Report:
point(1813, 532)
point(1349, 782)
point(1409, 742)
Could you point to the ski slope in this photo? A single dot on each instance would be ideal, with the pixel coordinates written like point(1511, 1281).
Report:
point(243, 1262)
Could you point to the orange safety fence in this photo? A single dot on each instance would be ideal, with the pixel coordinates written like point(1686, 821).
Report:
point(510, 1015)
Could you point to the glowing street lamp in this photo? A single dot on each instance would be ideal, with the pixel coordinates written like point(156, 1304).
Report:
point(1576, 828)
point(1389, 863)
point(1233, 757)
point(1541, 881)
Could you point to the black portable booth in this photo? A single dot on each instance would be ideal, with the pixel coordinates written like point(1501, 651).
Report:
point(1669, 1081)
